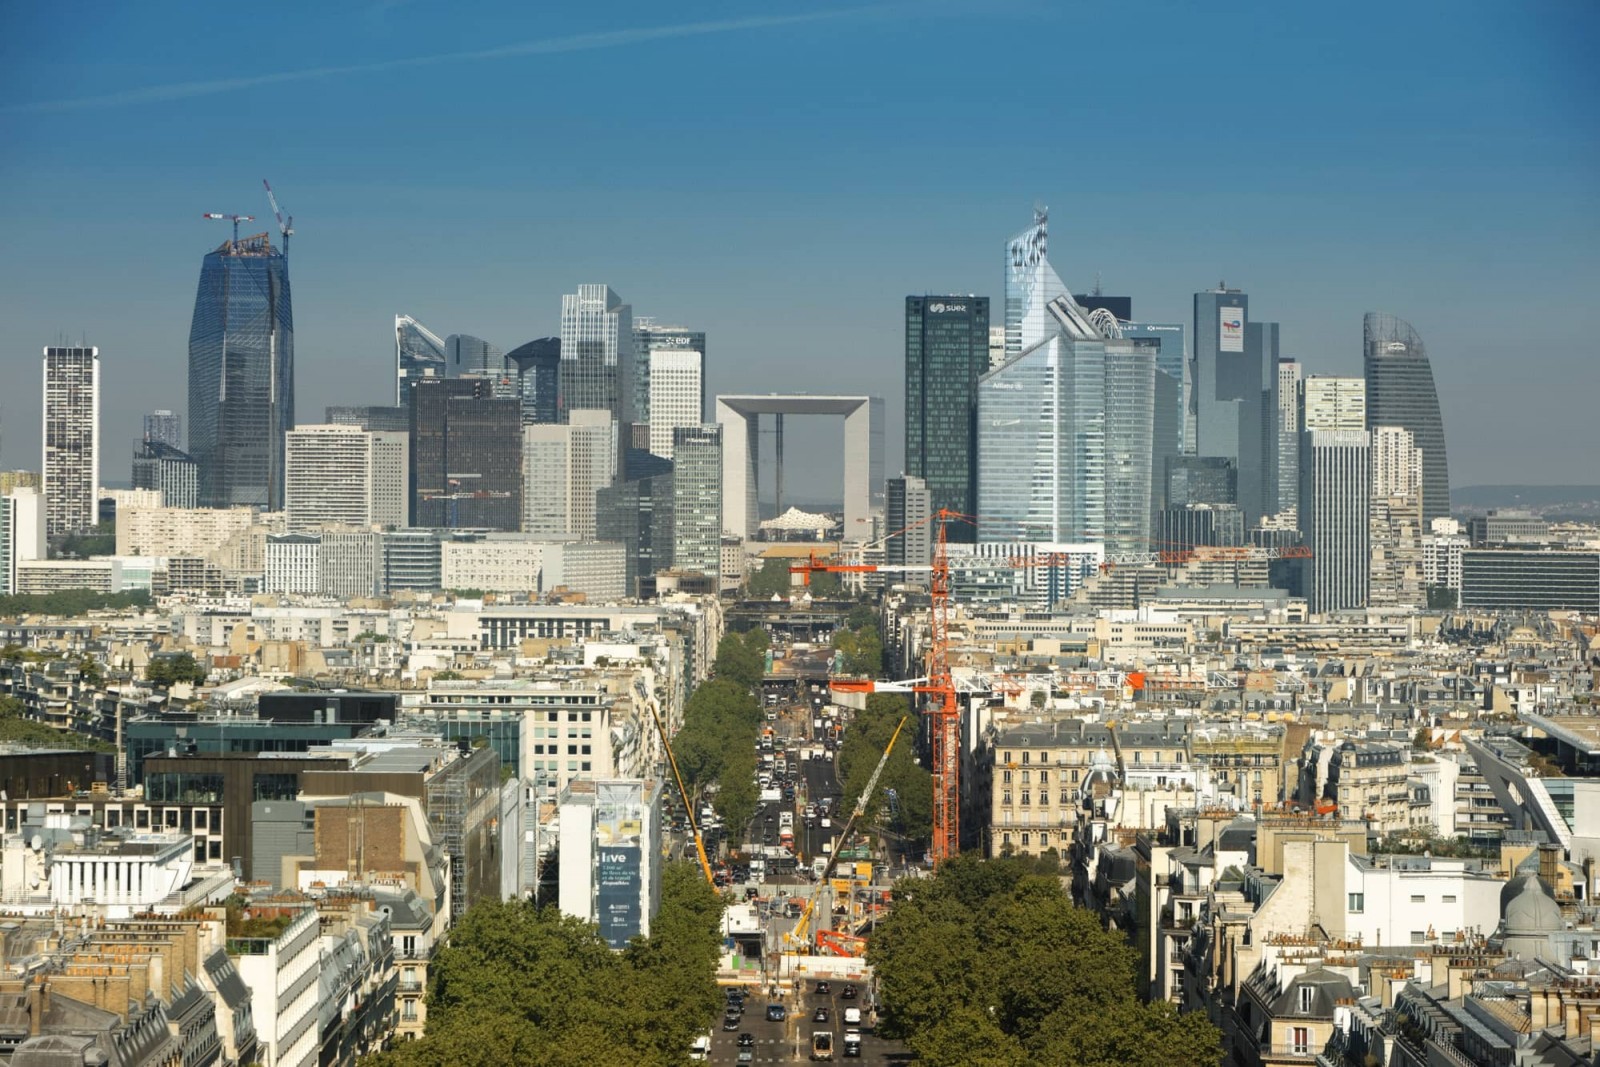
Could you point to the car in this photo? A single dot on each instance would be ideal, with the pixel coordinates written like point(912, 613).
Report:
point(747, 1055)
point(823, 989)
point(730, 1022)
point(746, 1039)
point(848, 993)
point(776, 1013)
point(852, 1016)
point(820, 1015)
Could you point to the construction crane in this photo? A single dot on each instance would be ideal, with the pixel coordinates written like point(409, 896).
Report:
point(688, 805)
point(284, 228)
point(800, 927)
point(235, 219)
point(944, 733)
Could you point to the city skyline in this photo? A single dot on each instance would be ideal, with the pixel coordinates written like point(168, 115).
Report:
point(1485, 186)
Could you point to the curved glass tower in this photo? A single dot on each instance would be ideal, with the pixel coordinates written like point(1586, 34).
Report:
point(1400, 392)
point(241, 374)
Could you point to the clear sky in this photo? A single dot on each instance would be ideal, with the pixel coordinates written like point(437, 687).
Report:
point(781, 176)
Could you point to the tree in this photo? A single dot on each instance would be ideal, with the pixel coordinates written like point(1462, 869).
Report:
point(169, 670)
point(771, 579)
point(860, 651)
point(992, 957)
point(738, 661)
point(864, 741)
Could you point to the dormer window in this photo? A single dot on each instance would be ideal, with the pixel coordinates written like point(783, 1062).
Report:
point(1306, 993)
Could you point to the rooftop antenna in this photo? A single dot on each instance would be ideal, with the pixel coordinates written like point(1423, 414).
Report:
point(1097, 283)
point(284, 228)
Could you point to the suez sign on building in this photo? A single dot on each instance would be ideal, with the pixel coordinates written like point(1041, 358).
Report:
point(938, 307)
point(1230, 326)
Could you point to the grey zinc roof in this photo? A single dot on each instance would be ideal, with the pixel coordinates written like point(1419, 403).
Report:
point(1328, 987)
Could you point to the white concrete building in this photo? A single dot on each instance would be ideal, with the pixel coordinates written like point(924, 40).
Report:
point(611, 855)
point(143, 531)
point(563, 467)
point(498, 563)
point(71, 470)
point(344, 474)
point(281, 973)
point(677, 394)
point(293, 564)
point(22, 534)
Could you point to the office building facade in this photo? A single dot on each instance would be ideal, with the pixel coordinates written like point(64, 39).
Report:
point(1531, 579)
point(596, 354)
point(1187, 525)
point(350, 561)
point(1234, 371)
point(411, 561)
point(636, 512)
point(22, 535)
point(697, 499)
point(537, 366)
point(341, 474)
point(1167, 344)
point(165, 427)
point(1328, 402)
point(466, 455)
point(1400, 392)
point(241, 374)
point(675, 394)
point(946, 352)
point(649, 336)
point(1201, 480)
point(908, 515)
point(564, 466)
point(418, 353)
point(466, 356)
point(1031, 285)
point(1334, 501)
point(1286, 438)
point(158, 465)
point(369, 417)
point(71, 470)
point(293, 564)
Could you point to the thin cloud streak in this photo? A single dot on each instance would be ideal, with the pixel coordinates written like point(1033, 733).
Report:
point(579, 42)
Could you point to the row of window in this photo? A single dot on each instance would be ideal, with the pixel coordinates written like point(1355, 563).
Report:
point(555, 750)
point(1358, 901)
point(1044, 797)
point(1080, 755)
point(1028, 838)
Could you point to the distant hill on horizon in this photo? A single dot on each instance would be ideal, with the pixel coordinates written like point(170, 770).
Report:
point(1581, 498)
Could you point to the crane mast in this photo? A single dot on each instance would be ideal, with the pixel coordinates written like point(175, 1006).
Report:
point(688, 805)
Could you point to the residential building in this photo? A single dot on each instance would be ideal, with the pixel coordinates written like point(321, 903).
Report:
point(241, 374)
point(164, 427)
point(611, 855)
point(597, 357)
point(280, 972)
point(10, 481)
point(293, 564)
point(495, 563)
point(1397, 463)
point(412, 561)
point(1364, 779)
point(1530, 579)
point(466, 455)
point(22, 534)
point(1507, 526)
point(594, 570)
point(564, 466)
point(1441, 558)
point(350, 561)
point(697, 499)
point(71, 470)
point(946, 351)
point(418, 353)
point(174, 531)
point(342, 474)
point(158, 465)
point(1400, 392)
point(908, 515)
point(1286, 439)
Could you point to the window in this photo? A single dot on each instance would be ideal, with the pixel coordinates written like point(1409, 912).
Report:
point(1044, 839)
point(1418, 898)
point(1306, 993)
point(1418, 937)
point(1025, 758)
point(1005, 797)
point(1044, 777)
point(1027, 798)
point(1005, 839)
point(1026, 776)
point(1300, 1038)
point(1009, 759)
point(1024, 839)
point(1044, 757)
point(1066, 798)
point(1005, 776)
point(1358, 902)
point(1137, 756)
point(1449, 900)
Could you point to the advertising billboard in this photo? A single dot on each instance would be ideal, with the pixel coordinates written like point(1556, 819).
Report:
point(619, 879)
point(1230, 329)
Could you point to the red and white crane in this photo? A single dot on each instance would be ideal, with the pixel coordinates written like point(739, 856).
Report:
point(235, 219)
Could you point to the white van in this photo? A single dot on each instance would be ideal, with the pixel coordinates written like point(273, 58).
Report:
point(852, 1016)
point(700, 1051)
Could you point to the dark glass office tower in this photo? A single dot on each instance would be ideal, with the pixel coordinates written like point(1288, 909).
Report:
point(637, 512)
point(947, 349)
point(466, 455)
point(1400, 392)
point(418, 353)
point(241, 374)
point(538, 369)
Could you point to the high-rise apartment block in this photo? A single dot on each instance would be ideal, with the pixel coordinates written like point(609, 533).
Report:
point(564, 466)
point(293, 564)
point(1286, 438)
point(946, 352)
point(908, 514)
point(1400, 392)
point(22, 534)
point(158, 465)
point(697, 499)
point(418, 353)
point(71, 471)
point(342, 474)
point(466, 455)
point(165, 427)
point(597, 358)
point(241, 374)
point(1397, 465)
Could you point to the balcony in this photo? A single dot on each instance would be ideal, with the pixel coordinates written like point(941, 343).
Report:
point(411, 985)
point(1290, 1052)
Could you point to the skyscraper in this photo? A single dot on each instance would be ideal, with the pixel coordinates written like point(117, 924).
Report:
point(650, 336)
point(342, 474)
point(418, 353)
point(466, 356)
point(1335, 492)
point(466, 455)
point(1065, 436)
point(1166, 342)
point(563, 468)
point(947, 351)
point(1286, 427)
point(241, 374)
point(636, 512)
point(1031, 284)
point(697, 499)
point(538, 369)
point(907, 511)
point(596, 354)
point(71, 471)
point(1400, 392)
point(1235, 362)
point(164, 426)
point(676, 393)
point(157, 465)
point(22, 535)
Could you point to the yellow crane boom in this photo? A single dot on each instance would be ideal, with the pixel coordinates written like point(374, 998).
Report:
point(688, 805)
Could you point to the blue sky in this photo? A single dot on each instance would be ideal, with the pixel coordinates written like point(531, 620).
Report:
point(782, 177)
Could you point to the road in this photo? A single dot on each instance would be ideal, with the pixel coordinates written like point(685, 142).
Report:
point(790, 1040)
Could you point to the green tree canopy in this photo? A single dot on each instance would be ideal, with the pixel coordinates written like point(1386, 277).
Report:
point(740, 659)
point(990, 962)
point(911, 810)
point(70, 602)
point(169, 670)
point(16, 726)
point(526, 985)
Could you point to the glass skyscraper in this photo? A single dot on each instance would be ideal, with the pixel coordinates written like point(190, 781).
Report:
point(241, 374)
point(538, 369)
point(1400, 392)
point(697, 499)
point(466, 455)
point(649, 337)
point(596, 354)
point(418, 353)
point(1031, 284)
point(1235, 366)
point(947, 350)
